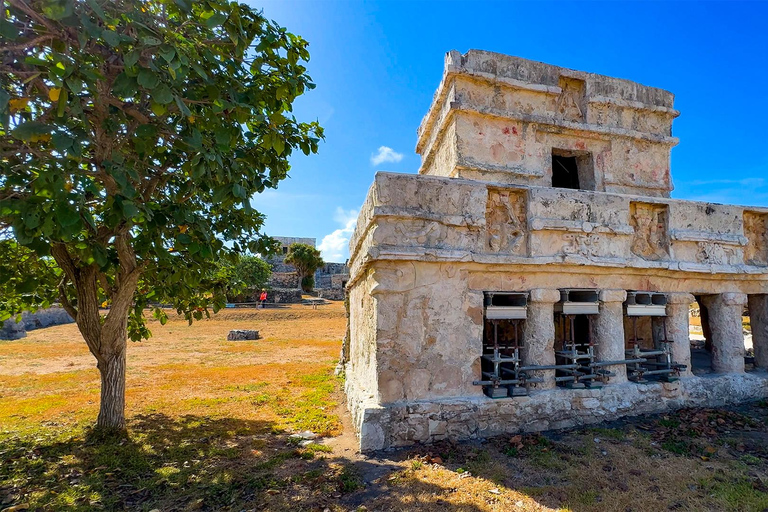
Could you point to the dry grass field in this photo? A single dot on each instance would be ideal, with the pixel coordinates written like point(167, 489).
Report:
point(210, 420)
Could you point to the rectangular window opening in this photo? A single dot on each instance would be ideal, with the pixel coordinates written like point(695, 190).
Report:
point(573, 170)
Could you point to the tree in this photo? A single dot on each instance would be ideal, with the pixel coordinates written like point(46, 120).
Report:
point(306, 259)
point(248, 274)
point(133, 135)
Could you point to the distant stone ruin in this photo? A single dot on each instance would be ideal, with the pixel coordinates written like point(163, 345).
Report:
point(536, 275)
point(284, 284)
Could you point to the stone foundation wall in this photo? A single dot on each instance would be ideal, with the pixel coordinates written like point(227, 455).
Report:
point(284, 280)
point(330, 293)
point(12, 330)
point(416, 346)
point(406, 423)
point(284, 296)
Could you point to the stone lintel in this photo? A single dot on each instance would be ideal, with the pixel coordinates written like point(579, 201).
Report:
point(613, 295)
point(545, 295)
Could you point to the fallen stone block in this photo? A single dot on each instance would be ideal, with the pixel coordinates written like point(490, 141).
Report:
point(242, 335)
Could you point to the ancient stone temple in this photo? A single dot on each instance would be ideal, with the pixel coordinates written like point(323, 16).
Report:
point(536, 275)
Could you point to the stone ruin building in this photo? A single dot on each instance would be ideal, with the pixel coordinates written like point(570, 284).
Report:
point(536, 275)
point(284, 284)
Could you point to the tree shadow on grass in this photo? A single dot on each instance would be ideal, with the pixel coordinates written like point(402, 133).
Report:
point(185, 463)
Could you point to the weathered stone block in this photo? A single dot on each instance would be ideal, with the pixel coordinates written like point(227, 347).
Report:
point(242, 335)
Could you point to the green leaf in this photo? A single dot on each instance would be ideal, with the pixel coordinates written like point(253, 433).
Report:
point(8, 30)
point(111, 37)
point(131, 58)
point(278, 144)
point(184, 5)
point(162, 95)
point(61, 141)
point(147, 78)
point(151, 41)
point(29, 130)
point(58, 9)
point(182, 107)
point(67, 216)
point(75, 84)
point(168, 53)
point(97, 9)
point(146, 131)
point(124, 85)
point(215, 20)
point(62, 105)
point(158, 109)
point(129, 209)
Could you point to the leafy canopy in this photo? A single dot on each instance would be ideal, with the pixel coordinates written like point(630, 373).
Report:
point(306, 259)
point(133, 135)
point(249, 274)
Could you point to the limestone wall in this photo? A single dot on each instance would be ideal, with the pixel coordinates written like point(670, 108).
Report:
point(404, 423)
point(498, 118)
point(426, 248)
point(423, 218)
point(361, 383)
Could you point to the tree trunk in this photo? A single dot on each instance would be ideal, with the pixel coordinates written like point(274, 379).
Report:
point(107, 337)
point(112, 369)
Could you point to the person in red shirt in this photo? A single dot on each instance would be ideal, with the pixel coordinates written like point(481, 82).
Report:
point(263, 298)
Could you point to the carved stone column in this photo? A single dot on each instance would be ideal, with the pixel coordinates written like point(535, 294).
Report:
point(758, 315)
point(725, 312)
point(608, 332)
point(539, 334)
point(678, 329)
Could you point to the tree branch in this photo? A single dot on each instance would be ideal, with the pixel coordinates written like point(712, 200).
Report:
point(68, 307)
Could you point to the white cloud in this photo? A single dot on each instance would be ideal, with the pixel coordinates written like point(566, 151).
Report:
point(386, 154)
point(335, 246)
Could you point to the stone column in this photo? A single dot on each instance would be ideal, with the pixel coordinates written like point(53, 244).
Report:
point(758, 318)
point(608, 332)
point(725, 312)
point(539, 334)
point(678, 329)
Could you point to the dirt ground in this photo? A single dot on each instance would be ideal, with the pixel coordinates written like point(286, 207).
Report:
point(210, 426)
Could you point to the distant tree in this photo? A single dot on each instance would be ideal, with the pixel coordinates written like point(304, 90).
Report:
point(306, 259)
point(247, 275)
point(133, 135)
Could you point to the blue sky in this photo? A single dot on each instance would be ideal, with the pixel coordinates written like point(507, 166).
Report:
point(377, 65)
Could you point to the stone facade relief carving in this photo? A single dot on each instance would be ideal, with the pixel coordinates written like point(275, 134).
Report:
point(712, 253)
point(650, 240)
point(570, 103)
point(505, 219)
point(582, 245)
point(420, 233)
point(756, 231)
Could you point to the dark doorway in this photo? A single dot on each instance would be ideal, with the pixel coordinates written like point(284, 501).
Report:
point(701, 350)
point(565, 172)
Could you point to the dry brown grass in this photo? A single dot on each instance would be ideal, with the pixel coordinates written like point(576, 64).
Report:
point(181, 369)
point(208, 424)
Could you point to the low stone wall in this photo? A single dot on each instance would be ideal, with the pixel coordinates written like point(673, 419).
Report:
point(12, 330)
point(330, 293)
point(284, 295)
point(284, 280)
point(406, 423)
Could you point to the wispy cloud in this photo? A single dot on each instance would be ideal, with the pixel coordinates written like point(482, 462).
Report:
point(750, 191)
point(335, 246)
point(386, 154)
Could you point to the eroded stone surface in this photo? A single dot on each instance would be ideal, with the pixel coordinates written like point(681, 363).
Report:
point(483, 216)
